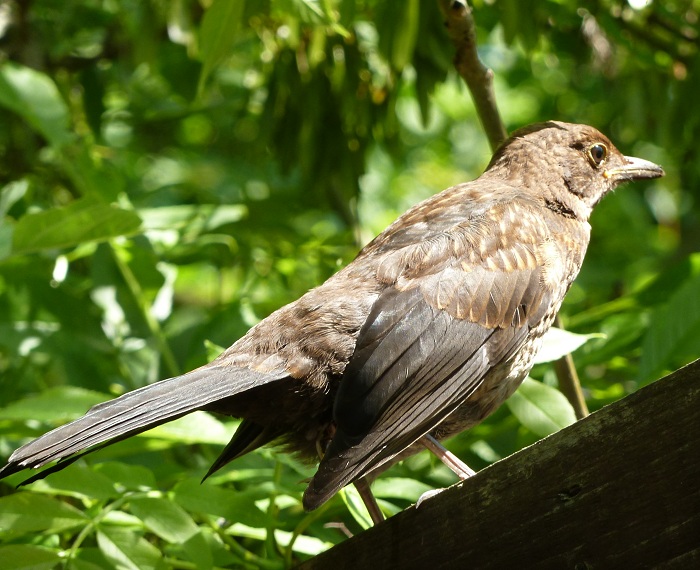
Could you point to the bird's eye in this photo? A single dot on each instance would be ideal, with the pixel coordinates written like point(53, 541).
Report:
point(597, 153)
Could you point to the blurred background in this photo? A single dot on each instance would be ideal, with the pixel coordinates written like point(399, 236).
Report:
point(173, 171)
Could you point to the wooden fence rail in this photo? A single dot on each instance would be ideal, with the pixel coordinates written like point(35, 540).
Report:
point(619, 489)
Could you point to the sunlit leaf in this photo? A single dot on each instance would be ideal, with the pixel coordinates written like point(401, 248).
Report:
point(84, 220)
point(127, 550)
point(56, 405)
point(218, 33)
point(30, 512)
point(353, 502)
point(558, 342)
point(79, 481)
point(399, 488)
point(198, 549)
point(302, 543)
point(12, 193)
point(165, 518)
point(27, 557)
point(208, 217)
point(34, 96)
point(6, 231)
point(540, 408)
point(198, 427)
point(131, 477)
point(213, 350)
point(405, 18)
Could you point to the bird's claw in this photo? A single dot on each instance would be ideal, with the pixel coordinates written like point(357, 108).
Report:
point(428, 495)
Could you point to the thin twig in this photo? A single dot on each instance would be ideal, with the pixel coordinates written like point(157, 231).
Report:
point(478, 77)
point(569, 382)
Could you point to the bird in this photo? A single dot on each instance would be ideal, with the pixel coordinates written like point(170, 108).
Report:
point(425, 333)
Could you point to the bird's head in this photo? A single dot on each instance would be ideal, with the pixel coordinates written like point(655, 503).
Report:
point(570, 166)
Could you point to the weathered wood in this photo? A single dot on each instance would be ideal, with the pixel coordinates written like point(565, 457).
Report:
point(619, 489)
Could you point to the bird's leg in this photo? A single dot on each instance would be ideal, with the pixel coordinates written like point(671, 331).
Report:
point(461, 469)
point(456, 465)
point(368, 499)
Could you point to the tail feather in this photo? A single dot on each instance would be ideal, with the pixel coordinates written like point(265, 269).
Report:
point(248, 436)
point(134, 413)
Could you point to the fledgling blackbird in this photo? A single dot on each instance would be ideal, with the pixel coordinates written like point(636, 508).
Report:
point(431, 327)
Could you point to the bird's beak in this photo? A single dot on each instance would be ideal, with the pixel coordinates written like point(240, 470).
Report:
point(634, 169)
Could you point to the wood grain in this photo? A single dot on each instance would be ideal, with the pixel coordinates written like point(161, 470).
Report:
point(618, 489)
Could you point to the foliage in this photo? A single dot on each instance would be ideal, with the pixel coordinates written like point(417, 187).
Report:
point(171, 172)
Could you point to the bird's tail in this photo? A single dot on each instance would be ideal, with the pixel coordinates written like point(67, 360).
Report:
point(133, 413)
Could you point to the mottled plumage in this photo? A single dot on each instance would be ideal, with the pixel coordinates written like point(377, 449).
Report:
point(431, 327)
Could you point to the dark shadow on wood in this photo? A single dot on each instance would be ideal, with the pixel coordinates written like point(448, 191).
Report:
point(619, 489)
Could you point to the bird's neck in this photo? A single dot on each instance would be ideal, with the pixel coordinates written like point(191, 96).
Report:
point(551, 191)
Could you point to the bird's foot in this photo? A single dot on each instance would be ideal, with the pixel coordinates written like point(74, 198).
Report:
point(428, 495)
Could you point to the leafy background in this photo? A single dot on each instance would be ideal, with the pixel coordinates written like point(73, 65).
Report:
point(172, 172)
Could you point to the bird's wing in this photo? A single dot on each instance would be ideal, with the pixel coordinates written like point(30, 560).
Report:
point(457, 308)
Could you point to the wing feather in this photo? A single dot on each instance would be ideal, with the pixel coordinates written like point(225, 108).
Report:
point(447, 318)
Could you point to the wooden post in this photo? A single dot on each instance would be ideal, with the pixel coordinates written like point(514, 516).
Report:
point(618, 489)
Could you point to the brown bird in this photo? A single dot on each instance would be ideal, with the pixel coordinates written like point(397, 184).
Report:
point(432, 326)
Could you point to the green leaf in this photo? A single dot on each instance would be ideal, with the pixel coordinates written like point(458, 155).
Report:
point(127, 550)
point(302, 543)
point(85, 220)
point(28, 512)
point(398, 24)
point(356, 506)
point(665, 284)
point(27, 557)
point(540, 408)
point(88, 559)
point(509, 19)
point(518, 22)
point(6, 232)
point(130, 477)
point(91, 177)
point(213, 350)
point(399, 488)
point(198, 497)
point(217, 34)
point(198, 550)
point(55, 405)
point(209, 545)
point(11, 194)
point(164, 518)
point(674, 326)
point(558, 342)
point(407, 33)
point(207, 216)
point(197, 427)
point(34, 97)
point(78, 481)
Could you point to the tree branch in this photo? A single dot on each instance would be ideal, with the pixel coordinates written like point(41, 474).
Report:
point(478, 77)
